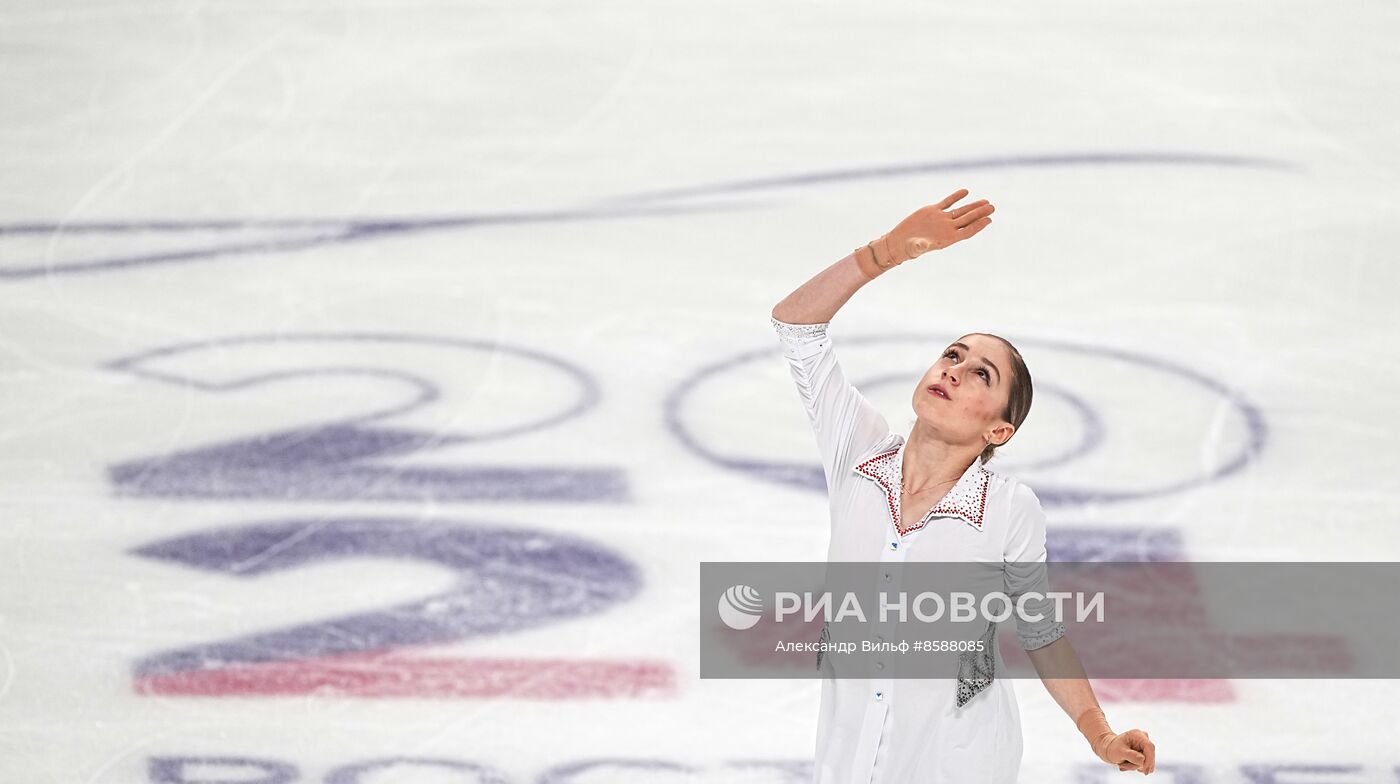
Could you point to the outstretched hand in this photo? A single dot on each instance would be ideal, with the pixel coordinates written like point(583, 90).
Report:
point(934, 227)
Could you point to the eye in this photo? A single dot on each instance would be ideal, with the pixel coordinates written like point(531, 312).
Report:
point(987, 377)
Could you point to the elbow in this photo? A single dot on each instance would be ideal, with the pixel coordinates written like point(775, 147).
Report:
point(783, 312)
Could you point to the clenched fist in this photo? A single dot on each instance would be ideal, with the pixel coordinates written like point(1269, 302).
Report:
point(1130, 750)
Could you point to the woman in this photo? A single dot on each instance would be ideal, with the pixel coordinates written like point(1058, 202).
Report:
point(887, 496)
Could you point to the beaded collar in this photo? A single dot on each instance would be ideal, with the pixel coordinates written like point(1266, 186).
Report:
point(967, 499)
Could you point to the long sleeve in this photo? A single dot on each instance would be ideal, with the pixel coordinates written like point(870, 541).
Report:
point(845, 423)
point(1026, 571)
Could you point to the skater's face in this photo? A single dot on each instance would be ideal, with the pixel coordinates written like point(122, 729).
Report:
point(964, 394)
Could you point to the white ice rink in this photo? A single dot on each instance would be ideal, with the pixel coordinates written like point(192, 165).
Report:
point(309, 311)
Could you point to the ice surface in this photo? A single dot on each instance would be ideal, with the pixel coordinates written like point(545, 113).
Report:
point(376, 375)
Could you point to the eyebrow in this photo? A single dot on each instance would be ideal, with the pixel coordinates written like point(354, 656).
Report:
point(964, 347)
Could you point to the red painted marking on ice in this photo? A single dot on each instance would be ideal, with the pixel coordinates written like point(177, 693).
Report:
point(1162, 625)
point(757, 646)
point(378, 675)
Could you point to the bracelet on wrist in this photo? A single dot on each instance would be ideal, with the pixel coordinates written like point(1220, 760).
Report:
point(870, 268)
point(884, 265)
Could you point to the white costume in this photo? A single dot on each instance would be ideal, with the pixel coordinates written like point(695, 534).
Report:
point(913, 729)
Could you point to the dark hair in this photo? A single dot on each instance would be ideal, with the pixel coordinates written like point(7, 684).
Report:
point(1018, 403)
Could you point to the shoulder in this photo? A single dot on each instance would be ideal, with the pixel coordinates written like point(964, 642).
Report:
point(891, 443)
point(1009, 485)
point(1022, 521)
point(1017, 499)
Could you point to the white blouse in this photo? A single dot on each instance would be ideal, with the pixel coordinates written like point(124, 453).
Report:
point(915, 729)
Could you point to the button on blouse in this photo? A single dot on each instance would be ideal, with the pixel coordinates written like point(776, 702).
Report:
point(915, 729)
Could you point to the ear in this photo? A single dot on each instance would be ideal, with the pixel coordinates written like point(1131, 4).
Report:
point(1002, 433)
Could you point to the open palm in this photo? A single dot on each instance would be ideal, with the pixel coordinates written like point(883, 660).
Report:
point(936, 226)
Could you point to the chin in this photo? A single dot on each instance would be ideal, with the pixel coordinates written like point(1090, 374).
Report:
point(927, 417)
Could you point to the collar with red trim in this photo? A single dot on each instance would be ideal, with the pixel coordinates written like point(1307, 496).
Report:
point(967, 499)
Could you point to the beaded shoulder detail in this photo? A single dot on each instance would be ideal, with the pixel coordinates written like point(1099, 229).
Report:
point(786, 330)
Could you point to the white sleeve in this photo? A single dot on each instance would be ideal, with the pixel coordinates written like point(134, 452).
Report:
point(846, 424)
point(1024, 565)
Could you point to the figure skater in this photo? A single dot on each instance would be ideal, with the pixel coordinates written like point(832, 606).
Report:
point(930, 497)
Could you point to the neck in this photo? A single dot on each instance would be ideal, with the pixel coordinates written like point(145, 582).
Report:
point(931, 461)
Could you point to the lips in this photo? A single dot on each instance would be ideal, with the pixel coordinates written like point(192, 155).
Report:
point(939, 391)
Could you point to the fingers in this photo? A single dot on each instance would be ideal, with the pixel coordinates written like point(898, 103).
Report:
point(971, 217)
point(964, 233)
point(966, 208)
point(1140, 754)
point(952, 198)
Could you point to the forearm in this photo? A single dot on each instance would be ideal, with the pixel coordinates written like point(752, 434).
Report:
point(1063, 675)
point(817, 300)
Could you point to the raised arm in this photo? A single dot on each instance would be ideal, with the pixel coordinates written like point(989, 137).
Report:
point(845, 423)
point(928, 228)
